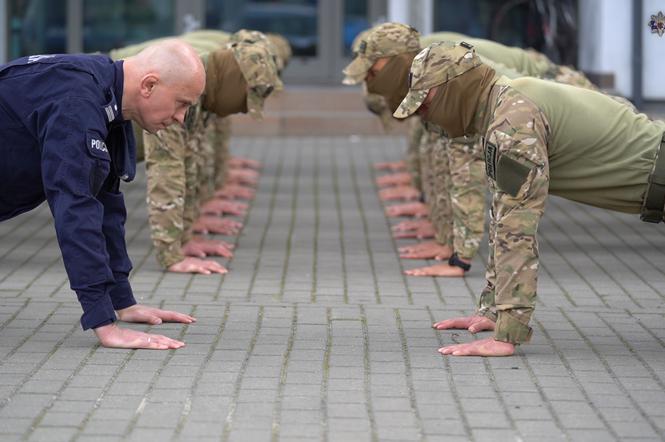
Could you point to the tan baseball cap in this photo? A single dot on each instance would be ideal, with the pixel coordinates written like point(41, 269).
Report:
point(437, 64)
point(381, 41)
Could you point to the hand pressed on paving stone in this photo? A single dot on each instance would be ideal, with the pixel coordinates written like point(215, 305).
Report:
point(437, 270)
point(246, 163)
point(220, 206)
point(395, 179)
point(243, 176)
point(426, 250)
point(415, 224)
point(197, 265)
point(426, 231)
point(473, 323)
point(201, 247)
point(394, 165)
point(419, 210)
point(233, 191)
point(113, 336)
point(481, 347)
point(213, 224)
point(399, 193)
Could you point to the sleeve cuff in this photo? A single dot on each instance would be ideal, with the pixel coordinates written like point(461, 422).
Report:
point(510, 329)
point(121, 293)
point(97, 306)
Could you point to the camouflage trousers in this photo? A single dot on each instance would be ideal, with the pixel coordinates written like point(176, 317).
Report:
point(517, 166)
point(172, 170)
point(416, 130)
point(454, 185)
point(222, 137)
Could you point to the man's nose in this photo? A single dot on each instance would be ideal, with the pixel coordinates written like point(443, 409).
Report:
point(180, 116)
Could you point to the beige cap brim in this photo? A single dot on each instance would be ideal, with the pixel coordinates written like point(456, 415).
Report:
point(411, 103)
point(255, 105)
point(356, 71)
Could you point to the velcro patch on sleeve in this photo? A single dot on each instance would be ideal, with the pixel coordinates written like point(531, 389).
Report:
point(511, 174)
point(490, 160)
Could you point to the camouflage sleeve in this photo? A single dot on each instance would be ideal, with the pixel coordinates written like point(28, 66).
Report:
point(207, 164)
point(222, 152)
point(416, 130)
point(165, 169)
point(467, 195)
point(518, 172)
point(439, 202)
point(424, 161)
point(194, 168)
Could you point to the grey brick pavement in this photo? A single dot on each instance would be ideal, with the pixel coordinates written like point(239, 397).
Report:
point(316, 335)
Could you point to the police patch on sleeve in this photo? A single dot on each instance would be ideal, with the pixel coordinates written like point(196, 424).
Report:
point(97, 146)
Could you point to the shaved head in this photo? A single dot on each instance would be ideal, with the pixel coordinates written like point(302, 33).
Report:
point(161, 82)
point(173, 59)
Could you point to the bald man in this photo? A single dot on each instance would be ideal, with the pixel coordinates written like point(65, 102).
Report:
point(67, 139)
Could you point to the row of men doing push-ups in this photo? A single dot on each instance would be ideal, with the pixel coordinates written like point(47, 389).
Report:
point(482, 119)
point(74, 126)
point(484, 115)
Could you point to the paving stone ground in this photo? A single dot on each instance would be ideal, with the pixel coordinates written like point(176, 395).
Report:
point(315, 334)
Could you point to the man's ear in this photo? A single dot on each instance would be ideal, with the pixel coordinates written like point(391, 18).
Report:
point(148, 84)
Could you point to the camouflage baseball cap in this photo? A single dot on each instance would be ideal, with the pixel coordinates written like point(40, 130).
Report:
point(260, 38)
point(258, 68)
point(282, 46)
point(437, 64)
point(385, 40)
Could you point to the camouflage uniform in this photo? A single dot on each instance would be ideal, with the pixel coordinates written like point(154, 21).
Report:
point(178, 159)
point(539, 137)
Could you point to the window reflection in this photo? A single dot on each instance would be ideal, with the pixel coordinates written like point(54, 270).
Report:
point(296, 20)
point(37, 27)
point(355, 21)
point(116, 23)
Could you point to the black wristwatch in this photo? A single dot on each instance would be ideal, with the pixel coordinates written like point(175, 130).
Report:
point(457, 262)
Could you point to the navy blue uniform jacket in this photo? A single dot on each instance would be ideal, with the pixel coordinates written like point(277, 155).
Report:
point(63, 140)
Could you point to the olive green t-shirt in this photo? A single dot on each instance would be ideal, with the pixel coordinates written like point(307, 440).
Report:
point(600, 151)
point(511, 57)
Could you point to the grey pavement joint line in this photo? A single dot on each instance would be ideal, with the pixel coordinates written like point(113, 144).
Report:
point(405, 279)
point(42, 226)
point(543, 396)
point(325, 376)
point(619, 257)
point(574, 268)
point(409, 375)
point(186, 408)
point(151, 386)
point(37, 420)
point(102, 394)
point(367, 373)
point(644, 363)
point(7, 399)
point(317, 224)
point(340, 221)
point(14, 315)
point(363, 217)
point(504, 406)
point(600, 266)
point(233, 406)
point(273, 199)
point(27, 338)
point(575, 379)
point(451, 382)
point(616, 379)
point(279, 396)
point(292, 224)
point(238, 238)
